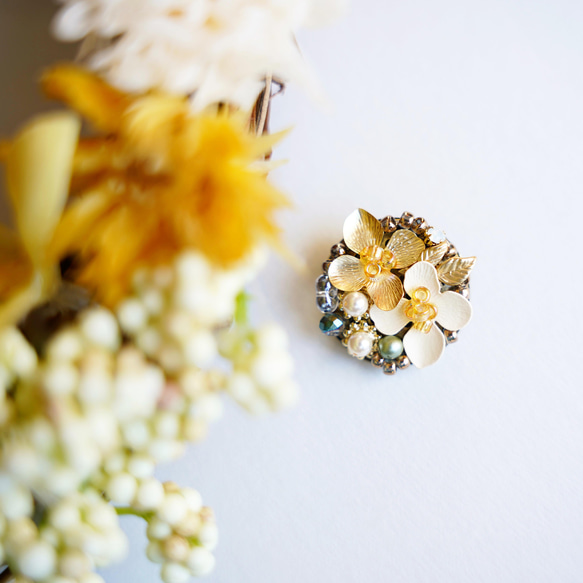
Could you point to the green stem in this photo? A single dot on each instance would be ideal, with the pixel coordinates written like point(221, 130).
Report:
point(242, 308)
point(126, 511)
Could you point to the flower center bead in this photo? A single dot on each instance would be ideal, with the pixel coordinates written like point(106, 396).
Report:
point(420, 311)
point(376, 259)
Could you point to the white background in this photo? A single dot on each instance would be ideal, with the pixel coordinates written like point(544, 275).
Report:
point(469, 114)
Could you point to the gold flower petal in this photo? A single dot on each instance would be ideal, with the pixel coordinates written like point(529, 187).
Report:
point(361, 230)
point(386, 291)
point(347, 273)
point(407, 248)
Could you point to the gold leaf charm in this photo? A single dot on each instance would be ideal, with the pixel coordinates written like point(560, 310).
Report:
point(456, 270)
point(435, 253)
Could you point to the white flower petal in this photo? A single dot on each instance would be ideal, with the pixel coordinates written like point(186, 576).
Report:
point(392, 321)
point(424, 349)
point(232, 44)
point(422, 274)
point(453, 310)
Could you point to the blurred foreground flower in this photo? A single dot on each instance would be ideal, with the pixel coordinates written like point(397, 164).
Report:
point(153, 227)
point(161, 180)
point(167, 219)
point(215, 50)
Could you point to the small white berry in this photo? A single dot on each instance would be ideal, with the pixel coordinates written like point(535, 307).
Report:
point(100, 327)
point(37, 561)
point(174, 573)
point(200, 561)
point(121, 488)
point(158, 529)
point(74, 563)
point(150, 494)
point(154, 553)
point(208, 535)
point(176, 548)
point(193, 499)
point(132, 315)
point(173, 509)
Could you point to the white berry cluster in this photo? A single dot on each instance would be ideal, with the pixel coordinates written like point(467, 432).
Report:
point(72, 416)
point(262, 366)
point(174, 312)
point(182, 534)
point(18, 361)
point(84, 425)
point(78, 534)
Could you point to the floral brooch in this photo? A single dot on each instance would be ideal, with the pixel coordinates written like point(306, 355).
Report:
point(395, 291)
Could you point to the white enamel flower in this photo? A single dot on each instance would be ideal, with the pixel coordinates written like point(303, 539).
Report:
point(427, 306)
point(216, 50)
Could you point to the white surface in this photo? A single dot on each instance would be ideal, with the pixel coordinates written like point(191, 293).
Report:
point(468, 113)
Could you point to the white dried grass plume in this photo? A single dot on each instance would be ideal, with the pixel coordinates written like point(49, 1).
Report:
point(216, 50)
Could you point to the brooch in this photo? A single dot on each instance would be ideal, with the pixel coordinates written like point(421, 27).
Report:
point(394, 291)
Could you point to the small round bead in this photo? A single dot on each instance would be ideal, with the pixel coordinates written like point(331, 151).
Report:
point(355, 304)
point(390, 347)
point(451, 336)
point(403, 362)
point(360, 344)
point(389, 368)
point(377, 360)
point(338, 250)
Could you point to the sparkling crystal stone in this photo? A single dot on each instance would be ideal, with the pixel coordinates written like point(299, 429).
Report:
point(323, 283)
point(406, 220)
point(390, 347)
point(331, 324)
point(338, 250)
point(435, 236)
point(327, 302)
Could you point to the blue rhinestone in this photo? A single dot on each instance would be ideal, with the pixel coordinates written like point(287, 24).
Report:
point(323, 283)
point(331, 324)
point(327, 302)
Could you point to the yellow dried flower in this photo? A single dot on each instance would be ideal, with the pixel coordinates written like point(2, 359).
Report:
point(38, 171)
point(162, 179)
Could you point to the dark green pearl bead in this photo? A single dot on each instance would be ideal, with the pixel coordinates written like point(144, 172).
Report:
point(390, 347)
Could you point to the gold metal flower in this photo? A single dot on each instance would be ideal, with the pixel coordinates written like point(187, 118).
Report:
point(364, 235)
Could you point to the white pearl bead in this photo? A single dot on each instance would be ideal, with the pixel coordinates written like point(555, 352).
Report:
point(355, 304)
point(360, 344)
